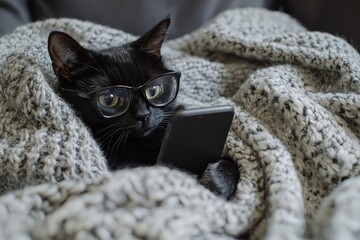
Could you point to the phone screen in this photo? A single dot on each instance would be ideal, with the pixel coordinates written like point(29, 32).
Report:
point(196, 137)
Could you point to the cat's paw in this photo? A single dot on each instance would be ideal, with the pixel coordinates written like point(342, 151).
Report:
point(221, 178)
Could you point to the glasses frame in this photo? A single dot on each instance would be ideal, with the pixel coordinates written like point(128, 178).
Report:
point(94, 94)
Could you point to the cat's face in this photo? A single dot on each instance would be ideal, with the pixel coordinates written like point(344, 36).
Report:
point(105, 108)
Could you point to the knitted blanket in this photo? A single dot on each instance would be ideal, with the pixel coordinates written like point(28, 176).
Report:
point(295, 138)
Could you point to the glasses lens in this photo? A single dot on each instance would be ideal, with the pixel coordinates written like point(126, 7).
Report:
point(162, 90)
point(113, 102)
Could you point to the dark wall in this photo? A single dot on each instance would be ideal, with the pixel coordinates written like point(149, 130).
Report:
point(334, 16)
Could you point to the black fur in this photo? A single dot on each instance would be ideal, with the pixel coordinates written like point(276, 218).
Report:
point(134, 138)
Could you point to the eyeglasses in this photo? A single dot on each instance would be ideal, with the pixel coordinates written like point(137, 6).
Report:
point(115, 100)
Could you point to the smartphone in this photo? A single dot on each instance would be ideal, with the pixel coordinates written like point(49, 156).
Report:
point(196, 137)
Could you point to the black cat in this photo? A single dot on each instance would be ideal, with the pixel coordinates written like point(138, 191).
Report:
point(126, 95)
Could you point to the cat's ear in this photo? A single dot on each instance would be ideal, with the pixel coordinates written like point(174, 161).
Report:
point(64, 51)
point(151, 41)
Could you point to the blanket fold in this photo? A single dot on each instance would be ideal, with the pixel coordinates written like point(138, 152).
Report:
point(294, 137)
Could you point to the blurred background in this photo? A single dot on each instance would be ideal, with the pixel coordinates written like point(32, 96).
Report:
point(137, 16)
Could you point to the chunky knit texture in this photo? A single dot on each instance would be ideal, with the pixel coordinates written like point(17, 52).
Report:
point(295, 138)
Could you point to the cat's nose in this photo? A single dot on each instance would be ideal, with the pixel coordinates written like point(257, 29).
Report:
point(141, 113)
point(139, 109)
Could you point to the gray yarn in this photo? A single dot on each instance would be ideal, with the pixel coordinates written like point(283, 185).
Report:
point(295, 138)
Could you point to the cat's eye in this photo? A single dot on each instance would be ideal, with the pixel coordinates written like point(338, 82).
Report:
point(153, 92)
point(108, 100)
point(111, 102)
point(162, 90)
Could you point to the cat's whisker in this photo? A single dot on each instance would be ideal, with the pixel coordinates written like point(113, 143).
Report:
point(165, 123)
point(107, 134)
point(161, 127)
point(121, 138)
point(104, 129)
point(167, 114)
point(118, 142)
point(109, 137)
point(112, 152)
point(125, 139)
